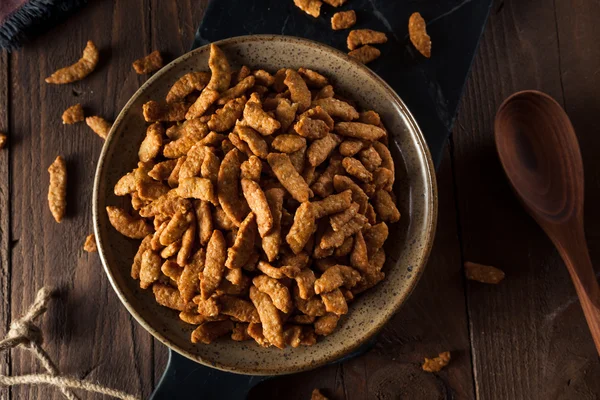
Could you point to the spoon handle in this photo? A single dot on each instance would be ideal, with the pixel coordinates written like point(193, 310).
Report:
point(576, 256)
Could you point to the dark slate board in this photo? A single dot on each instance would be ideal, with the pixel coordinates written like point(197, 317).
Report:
point(430, 88)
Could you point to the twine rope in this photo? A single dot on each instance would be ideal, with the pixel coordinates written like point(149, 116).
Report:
point(26, 334)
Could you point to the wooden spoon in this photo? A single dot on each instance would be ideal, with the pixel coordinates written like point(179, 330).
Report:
point(540, 155)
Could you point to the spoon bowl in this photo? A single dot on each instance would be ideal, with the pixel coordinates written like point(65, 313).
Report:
point(540, 154)
point(538, 148)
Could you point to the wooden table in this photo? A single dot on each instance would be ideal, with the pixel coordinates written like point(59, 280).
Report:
point(523, 339)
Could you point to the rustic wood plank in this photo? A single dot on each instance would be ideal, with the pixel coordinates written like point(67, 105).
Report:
point(172, 25)
point(87, 330)
point(433, 320)
point(529, 337)
point(5, 282)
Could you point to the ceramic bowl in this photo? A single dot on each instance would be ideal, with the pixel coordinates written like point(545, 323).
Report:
point(407, 247)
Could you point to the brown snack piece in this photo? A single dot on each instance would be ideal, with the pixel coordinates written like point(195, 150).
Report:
point(137, 259)
point(335, 302)
point(303, 228)
point(222, 220)
point(269, 317)
point(192, 81)
point(277, 272)
point(316, 393)
point(359, 258)
point(235, 276)
point(227, 187)
point(258, 203)
point(187, 242)
point(312, 78)
point(386, 157)
point(350, 147)
point(365, 54)
point(336, 238)
point(256, 118)
point(171, 112)
point(251, 169)
point(168, 296)
point(263, 77)
point(342, 183)
point(240, 75)
point(320, 149)
point(298, 89)
point(337, 108)
point(289, 177)
point(73, 114)
point(356, 169)
point(90, 244)
point(326, 324)
point(383, 178)
point(242, 146)
point(57, 190)
point(311, 7)
point(170, 250)
point(335, 3)
point(255, 142)
point(333, 204)
point(310, 174)
point(210, 166)
point(197, 188)
point(209, 331)
point(483, 273)
point(417, 31)
point(359, 130)
point(82, 68)
point(167, 204)
point(126, 225)
point(240, 332)
point(208, 307)
point(99, 125)
point(306, 283)
point(335, 277)
point(343, 20)
point(255, 331)
point(204, 221)
point(175, 228)
point(385, 207)
point(220, 70)
point(303, 319)
point(297, 159)
point(171, 269)
point(324, 184)
point(207, 98)
point(345, 248)
point(436, 364)
point(324, 93)
point(370, 117)
point(370, 158)
point(288, 143)
point(317, 112)
point(152, 143)
point(236, 91)
point(193, 162)
point(150, 268)
point(214, 266)
point(311, 128)
point(196, 133)
point(292, 335)
point(241, 309)
point(313, 306)
point(278, 84)
point(375, 237)
point(160, 171)
point(279, 294)
point(188, 282)
point(271, 241)
point(148, 64)
point(285, 113)
point(340, 219)
point(239, 253)
point(359, 37)
point(224, 118)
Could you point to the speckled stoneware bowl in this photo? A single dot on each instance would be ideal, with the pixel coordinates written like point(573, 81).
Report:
point(407, 247)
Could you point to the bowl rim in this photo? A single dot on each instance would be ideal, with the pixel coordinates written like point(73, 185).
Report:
point(430, 215)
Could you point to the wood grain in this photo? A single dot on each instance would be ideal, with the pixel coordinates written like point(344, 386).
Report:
point(433, 320)
point(5, 282)
point(529, 337)
point(87, 330)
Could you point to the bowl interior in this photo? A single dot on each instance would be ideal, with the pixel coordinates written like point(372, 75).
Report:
point(407, 247)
